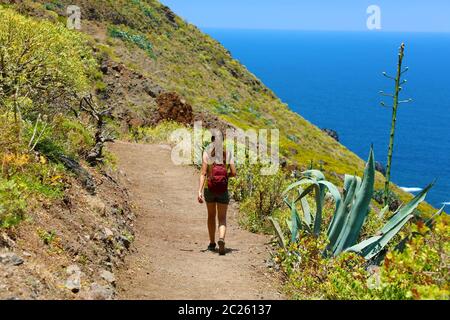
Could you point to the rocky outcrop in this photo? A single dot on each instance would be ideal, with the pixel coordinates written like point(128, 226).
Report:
point(172, 107)
point(380, 168)
point(332, 133)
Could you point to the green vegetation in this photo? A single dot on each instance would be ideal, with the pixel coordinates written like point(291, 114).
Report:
point(43, 66)
point(139, 40)
point(12, 203)
point(46, 69)
point(418, 272)
point(333, 265)
point(204, 73)
point(157, 134)
point(351, 211)
point(259, 195)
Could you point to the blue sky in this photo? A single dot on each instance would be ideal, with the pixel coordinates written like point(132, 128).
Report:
point(396, 15)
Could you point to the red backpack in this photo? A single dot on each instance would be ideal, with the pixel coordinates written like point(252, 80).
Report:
point(218, 179)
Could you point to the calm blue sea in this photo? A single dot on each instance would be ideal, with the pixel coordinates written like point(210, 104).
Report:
point(333, 78)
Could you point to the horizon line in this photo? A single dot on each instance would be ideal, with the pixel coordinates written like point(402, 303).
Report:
point(323, 30)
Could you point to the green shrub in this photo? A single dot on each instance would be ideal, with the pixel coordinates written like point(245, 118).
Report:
point(62, 134)
point(12, 203)
point(157, 134)
point(393, 199)
point(33, 48)
point(135, 38)
point(259, 195)
point(421, 271)
point(48, 237)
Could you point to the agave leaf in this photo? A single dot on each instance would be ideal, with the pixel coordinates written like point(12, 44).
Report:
point(358, 183)
point(372, 250)
point(289, 225)
point(286, 201)
point(278, 232)
point(372, 246)
point(312, 185)
point(315, 174)
point(305, 192)
point(294, 219)
point(349, 192)
point(308, 228)
point(305, 208)
point(296, 184)
point(319, 204)
point(383, 212)
point(334, 192)
point(406, 210)
point(340, 218)
point(429, 223)
point(363, 245)
point(360, 208)
point(348, 179)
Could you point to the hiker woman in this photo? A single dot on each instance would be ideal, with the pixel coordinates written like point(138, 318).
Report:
point(216, 169)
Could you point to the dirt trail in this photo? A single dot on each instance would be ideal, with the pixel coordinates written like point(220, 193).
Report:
point(169, 261)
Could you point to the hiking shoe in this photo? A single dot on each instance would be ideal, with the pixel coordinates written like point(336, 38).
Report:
point(221, 247)
point(212, 247)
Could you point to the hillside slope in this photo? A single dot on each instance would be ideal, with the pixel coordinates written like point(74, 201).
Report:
point(144, 49)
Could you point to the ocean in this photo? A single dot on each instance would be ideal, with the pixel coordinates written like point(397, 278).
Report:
point(333, 79)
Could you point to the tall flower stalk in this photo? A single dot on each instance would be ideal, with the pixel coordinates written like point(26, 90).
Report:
point(396, 101)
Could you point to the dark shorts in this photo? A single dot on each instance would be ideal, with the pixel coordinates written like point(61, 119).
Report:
point(223, 198)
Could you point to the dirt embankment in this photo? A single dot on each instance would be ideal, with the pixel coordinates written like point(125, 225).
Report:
point(71, 248)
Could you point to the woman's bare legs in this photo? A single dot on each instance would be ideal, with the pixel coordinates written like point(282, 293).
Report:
point(212, 213)
point(222, 213)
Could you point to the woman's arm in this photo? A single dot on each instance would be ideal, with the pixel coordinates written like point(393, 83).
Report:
point(203, 173)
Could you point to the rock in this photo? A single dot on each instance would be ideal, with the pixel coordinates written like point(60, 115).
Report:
point(172, 107)
point(380, 168)
point(125, 241)
point(6, 241)
point(108, 234)
point(73, 269)
point(83, 175)
point(117, 67)
point(394, 205)
point(104, 69)
point(99, 292)
point(169, 15)
point(332, 133)
point(10, 259)
point(97, 205)
point(108, 276)
point(153, 90)
point(73, 283)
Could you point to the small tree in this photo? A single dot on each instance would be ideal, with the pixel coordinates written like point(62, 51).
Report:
point(40, 64)
point(398, 87)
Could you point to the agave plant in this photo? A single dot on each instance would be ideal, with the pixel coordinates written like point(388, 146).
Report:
point(351, 210)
